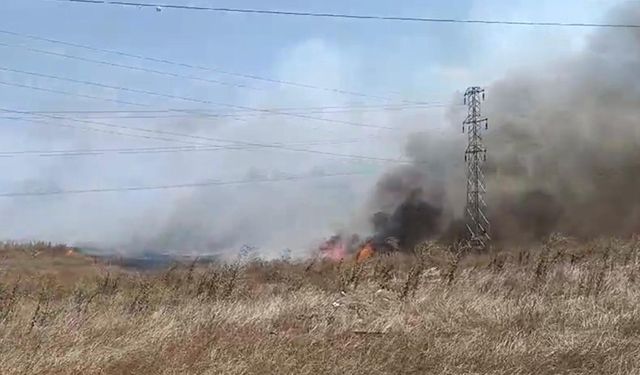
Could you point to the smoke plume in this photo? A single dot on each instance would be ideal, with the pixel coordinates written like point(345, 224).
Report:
point(564, 152)
point(565, 142)
point(564, 156)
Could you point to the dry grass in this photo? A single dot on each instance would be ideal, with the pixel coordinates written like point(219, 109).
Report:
point(560, 308)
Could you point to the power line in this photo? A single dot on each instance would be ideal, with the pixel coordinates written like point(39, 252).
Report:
point(129, 67)
point(206, 110)
point(74, 94)
point(178, 186)
point(67, 93)
point(45, 115)
point(155, 150)
point(244, 143)
point(90, 152)
point(164, 133)
point(196, 67)
point(105, 131)
point(184, 98)
point(160, 114)
point(363, 17)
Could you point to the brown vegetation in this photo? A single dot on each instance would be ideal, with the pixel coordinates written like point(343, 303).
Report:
point(556, 308)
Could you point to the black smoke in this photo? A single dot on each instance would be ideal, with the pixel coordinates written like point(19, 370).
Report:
point(406, 208)
point(564, 152)
point(565, 145)
point(413, 221)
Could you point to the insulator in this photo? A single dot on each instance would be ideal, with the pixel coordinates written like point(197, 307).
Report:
point(486, 125)
point(483, 96)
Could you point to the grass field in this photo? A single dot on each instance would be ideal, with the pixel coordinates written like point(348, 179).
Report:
point(558, 308)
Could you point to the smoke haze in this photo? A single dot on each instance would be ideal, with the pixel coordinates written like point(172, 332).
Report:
point(563, 156)
point(565, 141)
point(564, 149)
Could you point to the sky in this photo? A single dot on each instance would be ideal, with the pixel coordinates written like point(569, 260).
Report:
point(393, 64)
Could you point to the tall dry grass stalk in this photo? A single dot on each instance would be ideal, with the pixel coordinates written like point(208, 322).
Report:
point(558, 308)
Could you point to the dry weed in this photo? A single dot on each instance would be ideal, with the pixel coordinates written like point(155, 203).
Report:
point(558, 308)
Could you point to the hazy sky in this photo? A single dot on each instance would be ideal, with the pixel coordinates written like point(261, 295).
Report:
point(403, 62)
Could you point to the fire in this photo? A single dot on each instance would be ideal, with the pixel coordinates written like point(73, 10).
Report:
point(337, 248)
point(366, 252)
point(70, 252)
point(334, 249)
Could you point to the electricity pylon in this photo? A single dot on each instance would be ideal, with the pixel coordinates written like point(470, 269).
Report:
point(475, 155)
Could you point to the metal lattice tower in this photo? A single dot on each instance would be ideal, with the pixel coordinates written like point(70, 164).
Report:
point(475, 155)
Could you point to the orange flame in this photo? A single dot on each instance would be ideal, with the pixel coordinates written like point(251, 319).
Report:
point(366, 252)
point(334, 249)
